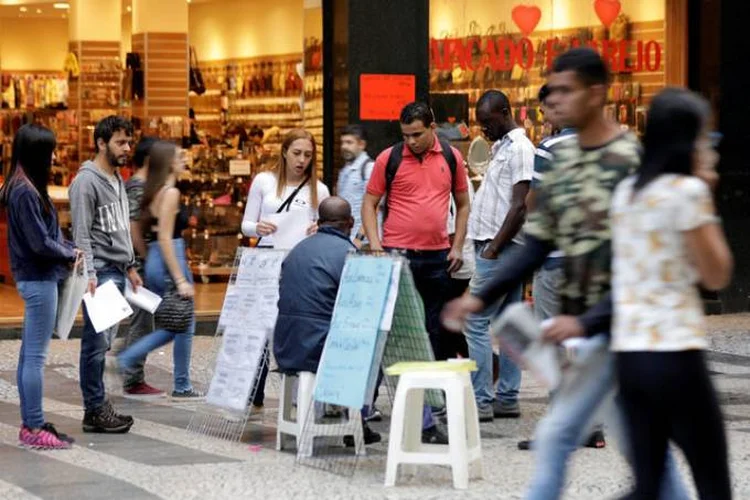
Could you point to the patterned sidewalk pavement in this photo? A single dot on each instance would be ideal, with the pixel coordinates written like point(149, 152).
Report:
point(160, 459)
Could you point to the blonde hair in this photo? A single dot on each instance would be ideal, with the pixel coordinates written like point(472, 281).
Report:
point(311, 171)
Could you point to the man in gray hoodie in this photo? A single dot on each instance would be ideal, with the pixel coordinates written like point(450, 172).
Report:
point(101, 229)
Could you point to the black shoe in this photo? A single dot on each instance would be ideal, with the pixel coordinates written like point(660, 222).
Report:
point(433, 435)
point(506, 410)
point(60, 435)
point(105, 420)
point(187, 395)
point(368, 434)
point(374, 416)
point(485, 413)
point(526, 444)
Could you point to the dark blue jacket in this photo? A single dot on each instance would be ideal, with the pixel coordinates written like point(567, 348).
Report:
point(310, 277)
point(37, 249)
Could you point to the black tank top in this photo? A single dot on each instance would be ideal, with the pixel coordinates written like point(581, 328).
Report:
point(180, 224)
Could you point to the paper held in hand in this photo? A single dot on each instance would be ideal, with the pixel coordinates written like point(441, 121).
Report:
point(107, 307)
point(143, 299)
point(521, 334)
point(291, 228)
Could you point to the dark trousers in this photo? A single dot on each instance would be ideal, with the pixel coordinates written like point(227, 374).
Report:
point(454, 343)
point(430, 271)
point(669, 396)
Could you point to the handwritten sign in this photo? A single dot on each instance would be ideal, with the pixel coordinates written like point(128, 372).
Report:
point(346, 365)
point(381, 97)
point(247, 319)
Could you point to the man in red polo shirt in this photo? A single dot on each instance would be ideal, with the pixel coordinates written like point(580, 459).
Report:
point(417, 206)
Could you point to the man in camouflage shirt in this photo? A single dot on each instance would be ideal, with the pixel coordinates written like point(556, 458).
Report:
point(572, 215)
point(141, 323)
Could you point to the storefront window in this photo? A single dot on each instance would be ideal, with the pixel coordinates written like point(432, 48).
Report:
point(508, 45)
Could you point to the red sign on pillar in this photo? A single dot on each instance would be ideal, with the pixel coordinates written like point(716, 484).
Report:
point(381, 97)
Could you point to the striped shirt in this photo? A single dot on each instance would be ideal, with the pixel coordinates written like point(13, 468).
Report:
point(352, 183)
point(512, 162)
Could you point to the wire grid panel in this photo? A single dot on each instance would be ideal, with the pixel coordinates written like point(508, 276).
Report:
point(408, 339)
point(239, 354)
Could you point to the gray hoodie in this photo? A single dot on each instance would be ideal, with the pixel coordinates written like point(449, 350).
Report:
point(101, 227)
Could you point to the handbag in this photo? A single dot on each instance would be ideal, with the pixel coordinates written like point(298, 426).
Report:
point(197, 84)
point(71, 295)
point(175, 313)
point(288, 202)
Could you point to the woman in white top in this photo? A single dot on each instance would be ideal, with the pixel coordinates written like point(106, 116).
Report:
point(288, 188)
point(666, 240)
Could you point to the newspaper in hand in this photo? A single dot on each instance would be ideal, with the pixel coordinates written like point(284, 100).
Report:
point(520, 334)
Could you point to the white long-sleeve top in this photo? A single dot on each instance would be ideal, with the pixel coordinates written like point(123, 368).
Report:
point(262, 201)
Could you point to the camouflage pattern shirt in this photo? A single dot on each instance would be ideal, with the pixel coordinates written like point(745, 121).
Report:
point(572, 214)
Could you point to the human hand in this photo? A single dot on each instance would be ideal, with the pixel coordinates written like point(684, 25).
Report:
point(489, 253)
point(455, 312)
point(456, 259)
point(265, 228)
point(92, 286)
point(135, 279)
point(186, 290)
point(562, 328)
point(312, 229)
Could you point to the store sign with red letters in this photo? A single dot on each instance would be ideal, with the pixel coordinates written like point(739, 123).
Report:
point(503, 53)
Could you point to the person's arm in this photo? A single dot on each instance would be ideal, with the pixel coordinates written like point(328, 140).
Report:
point(374, 193)
point(136, 234)
point(82, 212)
point(512, 223)
point(35, 230)
point(169, 207)
point(370, 220)
point(462, 217)
point(597, 320)
point(704, 238)
point(251, 219)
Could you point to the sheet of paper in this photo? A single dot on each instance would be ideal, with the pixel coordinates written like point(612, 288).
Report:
point(144, 298)
point(107, 307)
point(291, 228)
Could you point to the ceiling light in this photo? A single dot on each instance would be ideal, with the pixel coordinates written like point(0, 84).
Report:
point(128, 8)
point(61, 5)
point(23, 9)
point(38, 11)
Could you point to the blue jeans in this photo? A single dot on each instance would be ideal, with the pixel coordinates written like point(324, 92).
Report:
point(40, 299)
point(157, 275)
point(546, 288)
point(477, 332)
point(584, 389)
point(94, 346)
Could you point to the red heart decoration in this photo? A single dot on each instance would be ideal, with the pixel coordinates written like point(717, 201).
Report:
point(526, 17)
point(607, 10)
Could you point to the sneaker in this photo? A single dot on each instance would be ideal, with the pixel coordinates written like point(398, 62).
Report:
point(374, 416)
point(60, 435)
point(368, 434)
point(187, 395)
point(506, 410)
point(106, 420)
point(433, 435)
point(143, 391)
point(486, 413)
point(42, 440)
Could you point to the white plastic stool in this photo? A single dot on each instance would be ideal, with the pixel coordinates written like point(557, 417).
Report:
point(405, 441)
point(305, 390)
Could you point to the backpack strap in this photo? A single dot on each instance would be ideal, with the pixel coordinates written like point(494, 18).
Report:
point(450, 159)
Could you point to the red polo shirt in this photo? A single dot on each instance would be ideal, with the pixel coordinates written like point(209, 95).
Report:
point(418, 202)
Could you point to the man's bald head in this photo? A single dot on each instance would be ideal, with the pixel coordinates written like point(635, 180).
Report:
point(336, 212)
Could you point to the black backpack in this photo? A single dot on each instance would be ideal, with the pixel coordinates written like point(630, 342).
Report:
point(394, 161)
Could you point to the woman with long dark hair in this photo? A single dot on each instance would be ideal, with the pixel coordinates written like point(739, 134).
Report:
point(40, 259)
point(166, 262)
point(667, 239)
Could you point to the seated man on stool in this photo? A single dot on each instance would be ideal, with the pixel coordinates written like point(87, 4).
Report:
point(310, 277)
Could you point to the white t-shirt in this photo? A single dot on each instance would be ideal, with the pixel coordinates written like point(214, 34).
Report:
point(467, 269)
point(262, 201)
point(512, 162)
point(656, 302)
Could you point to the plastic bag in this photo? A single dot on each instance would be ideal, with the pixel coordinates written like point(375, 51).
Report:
point(70, 298)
